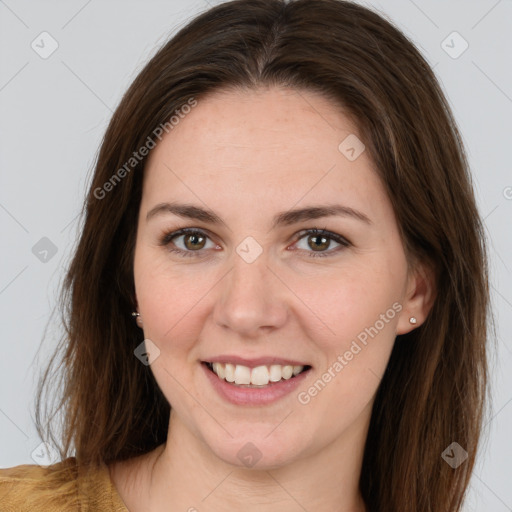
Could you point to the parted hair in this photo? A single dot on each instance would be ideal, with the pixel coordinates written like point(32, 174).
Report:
point(109, 406)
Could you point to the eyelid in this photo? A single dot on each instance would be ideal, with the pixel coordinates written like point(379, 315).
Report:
point(168, 236)
point(323, 231)
point(339, 239)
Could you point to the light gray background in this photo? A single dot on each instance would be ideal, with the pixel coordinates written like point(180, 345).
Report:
point(54, 111)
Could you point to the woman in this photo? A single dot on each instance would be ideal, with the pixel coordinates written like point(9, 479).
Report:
point(279, 297)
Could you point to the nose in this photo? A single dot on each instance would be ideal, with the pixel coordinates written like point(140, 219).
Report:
point(253, 301)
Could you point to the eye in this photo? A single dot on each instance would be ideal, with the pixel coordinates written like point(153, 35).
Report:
point(192, 241)
point(319, 240)
point(189, 242)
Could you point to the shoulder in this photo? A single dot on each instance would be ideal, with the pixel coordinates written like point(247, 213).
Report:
point(57, 488)
point(33, 487)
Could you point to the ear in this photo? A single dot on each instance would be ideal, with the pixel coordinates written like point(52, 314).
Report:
point(134, 301)
point(419, 297)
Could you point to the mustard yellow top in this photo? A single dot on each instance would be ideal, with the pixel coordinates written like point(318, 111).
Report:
point(61, 487)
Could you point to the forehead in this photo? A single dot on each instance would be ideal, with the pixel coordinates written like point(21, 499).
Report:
point(265, 118)
point(280, 145)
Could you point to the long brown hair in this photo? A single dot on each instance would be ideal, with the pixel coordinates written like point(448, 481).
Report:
point(433, 391)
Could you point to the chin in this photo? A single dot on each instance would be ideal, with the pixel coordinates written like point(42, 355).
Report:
point(259, 450)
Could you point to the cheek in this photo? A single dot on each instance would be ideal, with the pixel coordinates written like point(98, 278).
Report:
point(166, 315)
point(345, 301)
point(358, 308)
point(170, 299)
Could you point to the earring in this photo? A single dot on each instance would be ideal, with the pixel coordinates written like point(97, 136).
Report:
point(413, 320)
point(137, 317)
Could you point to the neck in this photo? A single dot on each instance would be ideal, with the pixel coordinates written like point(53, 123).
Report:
point(184, 474)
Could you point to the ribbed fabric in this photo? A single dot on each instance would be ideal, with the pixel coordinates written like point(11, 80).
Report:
point(32, 488)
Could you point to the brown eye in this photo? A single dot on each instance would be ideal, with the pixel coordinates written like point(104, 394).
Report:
point(194, 241)
point(188, 242)
point(318, 242)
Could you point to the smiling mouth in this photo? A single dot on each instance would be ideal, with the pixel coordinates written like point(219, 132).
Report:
point(260, 376)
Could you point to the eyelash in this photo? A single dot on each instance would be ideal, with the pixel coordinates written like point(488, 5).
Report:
point(168, 237)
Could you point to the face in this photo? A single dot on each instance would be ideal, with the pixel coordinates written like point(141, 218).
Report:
point(252, 286)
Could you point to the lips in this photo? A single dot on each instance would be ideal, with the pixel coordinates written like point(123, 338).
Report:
point(253, 394)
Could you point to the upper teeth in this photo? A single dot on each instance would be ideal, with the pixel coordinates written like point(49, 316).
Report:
point(258, 376)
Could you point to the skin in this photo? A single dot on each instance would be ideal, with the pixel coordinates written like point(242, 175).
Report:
point(247, 155)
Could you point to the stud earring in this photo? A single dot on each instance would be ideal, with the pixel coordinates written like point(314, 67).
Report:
point(137, 317)
point(413, 320)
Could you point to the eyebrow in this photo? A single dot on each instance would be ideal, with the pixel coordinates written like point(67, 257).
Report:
point(285, 218)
